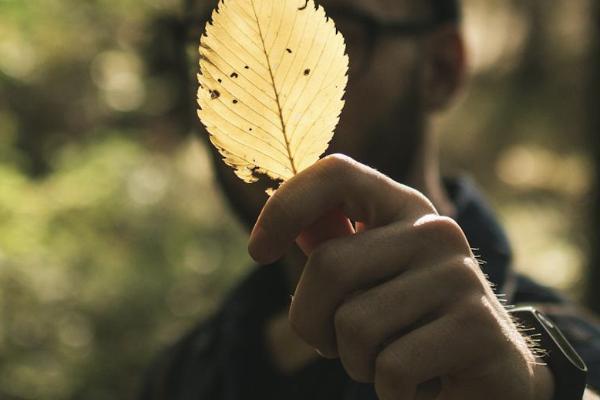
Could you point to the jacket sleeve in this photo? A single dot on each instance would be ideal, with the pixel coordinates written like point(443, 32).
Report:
point(580, 326)
point(187, 369)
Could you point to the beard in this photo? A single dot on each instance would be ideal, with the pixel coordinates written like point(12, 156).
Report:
point(398, 139)
point(389, 141)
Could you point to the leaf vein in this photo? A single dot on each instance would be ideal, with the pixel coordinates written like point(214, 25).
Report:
point(308, 104)
point(223, 133)
point(250, 108)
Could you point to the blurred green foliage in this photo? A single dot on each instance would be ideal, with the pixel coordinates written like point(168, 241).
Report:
point(113, 239)
point(113, 236)
point(105, 260)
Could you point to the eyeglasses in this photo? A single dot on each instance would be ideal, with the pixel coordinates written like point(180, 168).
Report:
point(361, 33)
point(360, 30)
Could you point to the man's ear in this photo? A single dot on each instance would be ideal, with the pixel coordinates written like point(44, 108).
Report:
point(445, 66)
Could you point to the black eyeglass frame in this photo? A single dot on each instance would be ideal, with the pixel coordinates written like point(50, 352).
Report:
point(376, 28)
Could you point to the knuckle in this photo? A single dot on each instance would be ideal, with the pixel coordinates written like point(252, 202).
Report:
point(387, 366)
point(357, 367)
point(390, 376)
point(358, 372)
point(385, 390)
point(359, 375)
point(420, 198)
point(490, 328)
point(301, 323)
point(476, 313)
point(353, 328)
point(344, 318)
point(336, 167)
point(441, 226)
point(337, 161)
point(467, 311)
point(467, 272)
point(355, 341)
point(442, 230)
point(297, 318)
point(324, 261)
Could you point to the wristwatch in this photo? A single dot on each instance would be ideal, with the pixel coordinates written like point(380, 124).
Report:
point(567, 367)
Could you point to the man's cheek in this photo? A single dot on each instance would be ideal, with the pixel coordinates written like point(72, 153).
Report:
point(396, 64)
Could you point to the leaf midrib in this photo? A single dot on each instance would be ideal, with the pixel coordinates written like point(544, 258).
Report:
point(280, 112)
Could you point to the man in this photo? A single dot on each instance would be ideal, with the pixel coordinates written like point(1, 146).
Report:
point(395, 306)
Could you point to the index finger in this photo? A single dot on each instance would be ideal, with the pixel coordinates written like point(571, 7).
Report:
point(337, 181)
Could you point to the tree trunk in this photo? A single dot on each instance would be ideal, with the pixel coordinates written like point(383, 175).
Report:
point(593, 129)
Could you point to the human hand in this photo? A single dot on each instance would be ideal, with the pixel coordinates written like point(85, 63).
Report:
point(403, 301)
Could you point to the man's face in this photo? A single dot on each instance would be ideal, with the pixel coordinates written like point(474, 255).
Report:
point(381, 124)
point(382, 121)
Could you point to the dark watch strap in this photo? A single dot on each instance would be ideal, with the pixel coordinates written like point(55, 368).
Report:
point(567, 367)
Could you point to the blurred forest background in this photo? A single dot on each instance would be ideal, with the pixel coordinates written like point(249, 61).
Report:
point(114, 238)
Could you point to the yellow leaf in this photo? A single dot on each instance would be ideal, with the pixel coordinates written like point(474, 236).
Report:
point(272, 77)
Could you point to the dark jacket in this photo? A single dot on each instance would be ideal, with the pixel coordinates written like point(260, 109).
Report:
point(224, 358)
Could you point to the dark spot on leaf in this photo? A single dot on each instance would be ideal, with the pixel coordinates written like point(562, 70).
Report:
point(214, 94)
point(247, 67)
point(249, 129)
point(201, 87)
point(289, 50)
point(235, 101)
point(234, 75)
point(219, 80)
point(306, 71)
point(304, 6)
